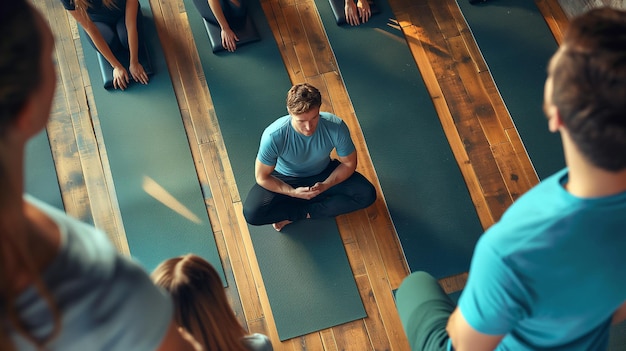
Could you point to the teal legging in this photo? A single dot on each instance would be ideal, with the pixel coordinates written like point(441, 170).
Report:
point(424, 309)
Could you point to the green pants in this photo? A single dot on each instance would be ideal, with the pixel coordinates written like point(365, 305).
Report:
point(424, 309)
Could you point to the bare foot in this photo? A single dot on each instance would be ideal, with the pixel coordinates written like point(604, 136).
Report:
point(280, 225)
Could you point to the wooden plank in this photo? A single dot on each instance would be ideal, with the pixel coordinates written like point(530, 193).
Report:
point(312, 23)
point(468, 169)
point(402, 10)
point(522, 156)
point(453, 283)
point(478, 98)
point(388, 243)
point(352, 337)
point(489, 86)
point(297, 33)
point(309, 342)
point(468, 37)
point(373, 323)
point(510, 168)
point(555, 17)
point(328, 340)
point(284, 3)
point(341, 105)
point(389, 326)
point(442, 15)
point(285, 44)
point(459, 103)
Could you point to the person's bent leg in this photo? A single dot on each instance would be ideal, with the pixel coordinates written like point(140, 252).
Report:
point(205, 11)
point(234, 10)
point(424, 310)
point(108, 34)
point(265, 207)
point(352, 194)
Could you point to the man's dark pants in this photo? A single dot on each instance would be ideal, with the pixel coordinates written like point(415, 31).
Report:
point(265, 207)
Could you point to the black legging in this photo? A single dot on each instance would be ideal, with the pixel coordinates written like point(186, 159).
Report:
point(235, 15)
point(265, 207)
point(116, 36)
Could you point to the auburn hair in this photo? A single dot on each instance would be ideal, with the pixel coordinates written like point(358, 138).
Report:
point(200, 301)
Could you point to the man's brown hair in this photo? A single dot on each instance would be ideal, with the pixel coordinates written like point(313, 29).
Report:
point(302, 98)
point(589, 80)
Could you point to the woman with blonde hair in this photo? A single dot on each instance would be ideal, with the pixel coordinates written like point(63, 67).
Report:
point(63, 286)
point(112, 25)
point(202, 307)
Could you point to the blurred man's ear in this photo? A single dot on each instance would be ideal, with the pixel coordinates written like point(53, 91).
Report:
point(554, 119)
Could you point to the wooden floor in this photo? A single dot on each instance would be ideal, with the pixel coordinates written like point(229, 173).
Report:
point(480, 131)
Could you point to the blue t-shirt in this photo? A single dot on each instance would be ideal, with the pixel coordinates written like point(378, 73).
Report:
point(105, 301)
point(550, 273)
point(97, 12)
point(297, 155)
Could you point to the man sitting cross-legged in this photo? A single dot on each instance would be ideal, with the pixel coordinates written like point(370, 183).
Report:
point(295, 176)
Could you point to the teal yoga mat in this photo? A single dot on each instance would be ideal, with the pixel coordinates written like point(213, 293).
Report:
point(155, 180)
point(425, 192)
point(305, 270)
point(40, 172)
point(517, 44)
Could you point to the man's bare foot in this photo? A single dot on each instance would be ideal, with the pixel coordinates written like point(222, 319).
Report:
point(280, 225)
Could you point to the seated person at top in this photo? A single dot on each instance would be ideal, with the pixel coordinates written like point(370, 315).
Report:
point(201, 305)
point(550, 274)
point(295, 176)
point(357, 12)
point(225, 14)
point(111, 25)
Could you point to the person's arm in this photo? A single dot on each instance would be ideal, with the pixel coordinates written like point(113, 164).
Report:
point(178, 339)
point(464, 337)
point(136, 69)
point(264, 177)
point(341, 173)
point(229, 38)
point(120, 76)
point(620, 314)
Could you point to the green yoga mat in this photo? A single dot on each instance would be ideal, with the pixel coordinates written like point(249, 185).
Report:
point(305, 270)
point(155, 180)
point(517, 44)
point(40, 173)
point(425, 192)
